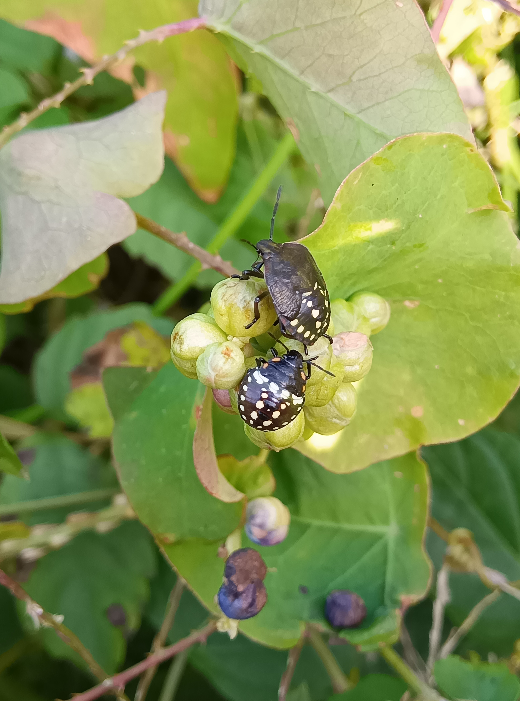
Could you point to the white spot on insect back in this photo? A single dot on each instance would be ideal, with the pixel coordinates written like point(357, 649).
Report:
point(241, 407)
point(259, 378)
point(285, 394)
point(306, 334)
point(276, 414)
point(315, 313)
point(264, 395)
point(309, 303)
point(297, 400)
point(254, 414)
point(259, 404)
point(318, 324)
point(306, 294)
point(294, 322)
point(300, 328)
point(273, 387)
point(267, 423)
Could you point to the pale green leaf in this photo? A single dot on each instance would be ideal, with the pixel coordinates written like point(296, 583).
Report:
point(419, 223)
point(478, 681)
point(59, 192)
point(350, 76)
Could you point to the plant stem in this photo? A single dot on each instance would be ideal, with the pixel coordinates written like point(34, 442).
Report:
point(292, 661)
point(63, 500)
point(174, 676)
point(405, 672)
point(46, 537)
point(440, 19)
point(182, 242)
point(442, 598)
point(159, 640)
point(13, 430)
point(438, 529)
point(158, 34)
point(231, 224)
point(47, 620)
point(455, 637)
point(340, 682)
point(121, 679)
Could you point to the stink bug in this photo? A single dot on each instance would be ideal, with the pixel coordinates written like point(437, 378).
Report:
point(272, 395)
point(296, 286)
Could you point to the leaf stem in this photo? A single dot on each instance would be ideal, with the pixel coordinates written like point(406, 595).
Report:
point(340, 681)
point(174, 676)
point(121, 679)
point(63, 500)
point(159, 640)
point(231, 224)
point(182, 242)
point(442, 598)
point(158, 34)
point(455, 637)
point(409, 676)
point(292, 661)
point(47, 620)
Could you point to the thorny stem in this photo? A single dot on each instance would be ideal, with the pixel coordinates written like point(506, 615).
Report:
point(405, 672)
point(340, 681)
point(121, 679)
point(231, 224)
point(63, 500)
point(457, 635)
point(292, 661)
point(47, 620)
point(182, 242)
point(159, 640)
point(44, 537)
point(158, 34)
point(442, 598)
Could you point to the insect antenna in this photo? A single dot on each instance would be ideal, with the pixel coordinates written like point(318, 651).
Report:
point(250, 244)
point(278, 340)
point(309, 360)
point(275, 209)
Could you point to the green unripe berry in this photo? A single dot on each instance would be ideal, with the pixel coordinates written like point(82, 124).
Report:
point(307, 433)
point(232, 301)
point(249, 476)
point(335, 415)
point(193, 334)
point(354, 351)
point(374, 307)
point(221, 365)
point(323, 349)
point(343, 316)
point(187, 367)
point(363, 326)
point(321, 393)
point(277, 440)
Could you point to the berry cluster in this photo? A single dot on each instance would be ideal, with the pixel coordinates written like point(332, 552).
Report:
point(283, 390)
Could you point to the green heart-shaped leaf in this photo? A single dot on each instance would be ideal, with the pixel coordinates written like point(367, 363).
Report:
point(419, 223)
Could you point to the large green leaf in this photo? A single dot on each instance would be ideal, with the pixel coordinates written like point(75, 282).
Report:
point(59, 194)
point(476, 485)
point(65, 349)
point(55, 466)
point(152, 445)
point(362, 531)
point(350, 77)
point(478, 681)
point(375, 687)
point(202, 107)
point(86, 580)
point(418, 224)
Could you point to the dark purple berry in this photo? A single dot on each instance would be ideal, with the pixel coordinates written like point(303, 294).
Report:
point(244, 603)
point(244, 566)
point(345, 609)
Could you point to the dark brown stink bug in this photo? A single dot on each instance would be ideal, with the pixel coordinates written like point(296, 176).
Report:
point(296, 286)
point(272, 395)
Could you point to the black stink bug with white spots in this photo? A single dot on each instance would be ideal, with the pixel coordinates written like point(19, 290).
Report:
point(272, 395)
point(296, 286)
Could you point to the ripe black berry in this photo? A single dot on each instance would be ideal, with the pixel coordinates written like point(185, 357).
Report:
point(244, 565)
point(345, 609)
point(296, 286)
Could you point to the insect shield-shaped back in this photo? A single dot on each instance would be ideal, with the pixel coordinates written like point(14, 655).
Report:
point(271, 395)
point(296, 286)
point(297, 289)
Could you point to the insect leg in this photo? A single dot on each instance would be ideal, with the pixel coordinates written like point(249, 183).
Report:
point(326, 335)
point(257, 310)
